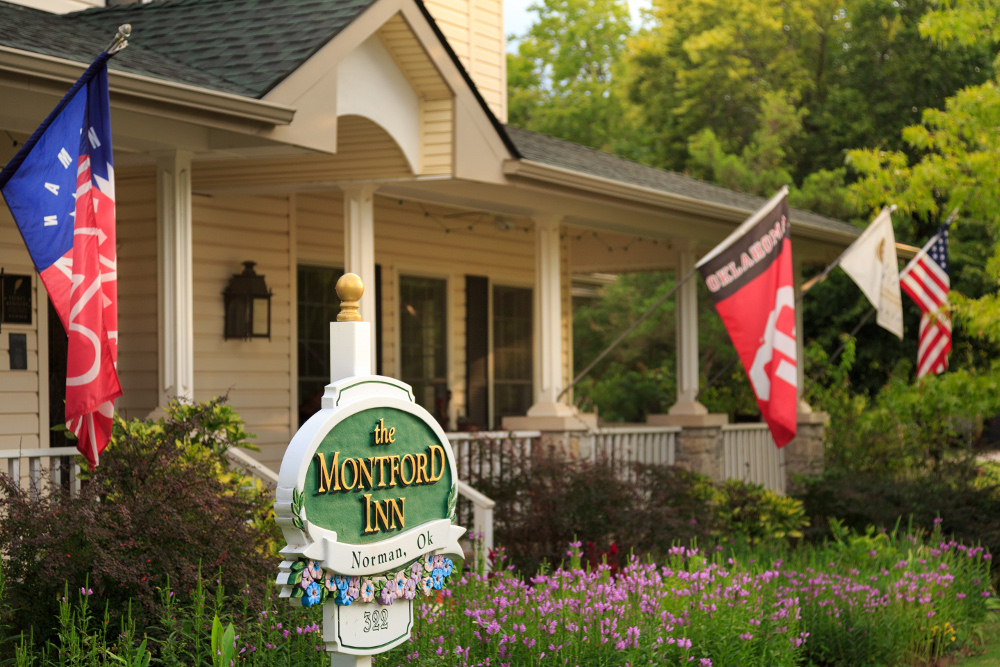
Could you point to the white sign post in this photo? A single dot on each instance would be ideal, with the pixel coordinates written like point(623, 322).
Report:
point(366, 501)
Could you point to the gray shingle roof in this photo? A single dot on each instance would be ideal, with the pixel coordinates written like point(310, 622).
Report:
point(245, 47)
point(559, 153)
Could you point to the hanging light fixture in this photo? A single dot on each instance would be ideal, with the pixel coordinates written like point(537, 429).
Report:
point(248, 305)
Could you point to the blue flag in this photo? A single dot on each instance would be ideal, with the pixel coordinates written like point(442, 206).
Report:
point(60, 189)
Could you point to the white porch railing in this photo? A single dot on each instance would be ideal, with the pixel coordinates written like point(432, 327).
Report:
point(489, 454)
point(48, 459)
point(38, 460)
point(749, 454)
point(625, 444)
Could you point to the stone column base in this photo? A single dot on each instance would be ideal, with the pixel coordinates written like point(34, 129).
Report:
point(699, 444)
point(804, 454)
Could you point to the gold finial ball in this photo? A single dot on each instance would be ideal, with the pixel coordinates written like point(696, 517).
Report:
point(349, 289)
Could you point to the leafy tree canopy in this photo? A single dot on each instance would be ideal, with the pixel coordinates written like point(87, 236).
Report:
point(563, 81)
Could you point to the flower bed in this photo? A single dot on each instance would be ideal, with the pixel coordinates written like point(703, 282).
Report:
point(873, 599)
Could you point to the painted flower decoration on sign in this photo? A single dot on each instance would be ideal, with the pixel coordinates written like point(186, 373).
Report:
point(314, 585)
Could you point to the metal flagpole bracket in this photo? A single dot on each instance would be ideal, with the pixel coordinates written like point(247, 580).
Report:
point(121, 39)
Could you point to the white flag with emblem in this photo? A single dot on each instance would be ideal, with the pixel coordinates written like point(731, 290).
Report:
point(871, 262)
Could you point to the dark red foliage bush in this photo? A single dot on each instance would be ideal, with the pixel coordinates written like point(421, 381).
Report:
point(547, 498)
point(160, 507)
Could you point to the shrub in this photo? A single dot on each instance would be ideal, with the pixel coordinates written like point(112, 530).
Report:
point(958, 496)
point(159, 509)
point(907, 426)
point(753, 513)
point(547, 498)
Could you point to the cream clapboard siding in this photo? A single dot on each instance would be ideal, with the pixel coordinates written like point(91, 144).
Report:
point(437, 132)
point(489, 57)
point(409, 241)
point(138, 356)
point(474, 29)
point(256, 374)
point(20, 424)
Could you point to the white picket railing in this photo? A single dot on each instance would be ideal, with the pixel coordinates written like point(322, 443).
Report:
point(39, 460)
point(749, 454)
point(489, 454)
point(627, 444)
point(49, 459)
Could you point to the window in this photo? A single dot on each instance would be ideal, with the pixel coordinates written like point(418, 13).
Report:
point(318, 305)
point(512, 352)
point(424, 342)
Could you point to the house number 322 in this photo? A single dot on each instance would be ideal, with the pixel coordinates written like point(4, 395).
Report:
point(376, 620)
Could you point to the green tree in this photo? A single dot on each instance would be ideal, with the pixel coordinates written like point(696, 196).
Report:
point(856, 71)
point(564, 79)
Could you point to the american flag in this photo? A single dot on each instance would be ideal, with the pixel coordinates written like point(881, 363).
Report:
point(926, 280)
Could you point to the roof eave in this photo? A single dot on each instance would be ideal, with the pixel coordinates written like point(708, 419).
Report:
point(147, 88)
point(539, 171)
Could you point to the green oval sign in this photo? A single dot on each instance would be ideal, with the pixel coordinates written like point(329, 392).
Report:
point(375, 474)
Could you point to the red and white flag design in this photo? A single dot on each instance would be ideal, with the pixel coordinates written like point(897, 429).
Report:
point(750, 278)
point(60, 188)
point(926, 280)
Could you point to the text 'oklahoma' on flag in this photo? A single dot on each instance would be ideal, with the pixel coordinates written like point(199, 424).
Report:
point(926, 280)
point(750, 278)
point(60, 189)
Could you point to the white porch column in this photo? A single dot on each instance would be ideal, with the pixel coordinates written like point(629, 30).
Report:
point(548, 321)
point(359, 247)
point(176, 293)
point(548, 412)
point(686, 314)
point(700, 444)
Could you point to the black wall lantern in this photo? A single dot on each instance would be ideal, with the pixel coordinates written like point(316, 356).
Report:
point(248, 305)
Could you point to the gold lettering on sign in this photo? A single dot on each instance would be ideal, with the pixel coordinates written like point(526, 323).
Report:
point(383, 435)
point(384, 514)
point(328, 477)
point(435, 451)
point(413, 470)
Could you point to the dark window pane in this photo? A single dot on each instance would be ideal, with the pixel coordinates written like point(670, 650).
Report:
point(423, 342)
point(318, 305)
point(512, 351)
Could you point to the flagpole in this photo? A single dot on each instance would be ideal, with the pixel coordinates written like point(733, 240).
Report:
point(120, 40)
point(582, 374)
point(749, 222)
point(821, 277)
point(805, 288)
point(118, 43)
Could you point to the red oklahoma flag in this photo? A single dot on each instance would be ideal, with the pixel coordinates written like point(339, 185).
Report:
point(750, 277)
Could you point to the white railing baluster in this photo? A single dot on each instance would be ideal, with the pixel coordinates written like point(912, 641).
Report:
point(14, 469)
point(749, 454)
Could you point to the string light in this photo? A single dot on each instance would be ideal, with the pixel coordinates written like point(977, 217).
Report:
point(479, 218)
point(611, 248)
point(507, 224)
